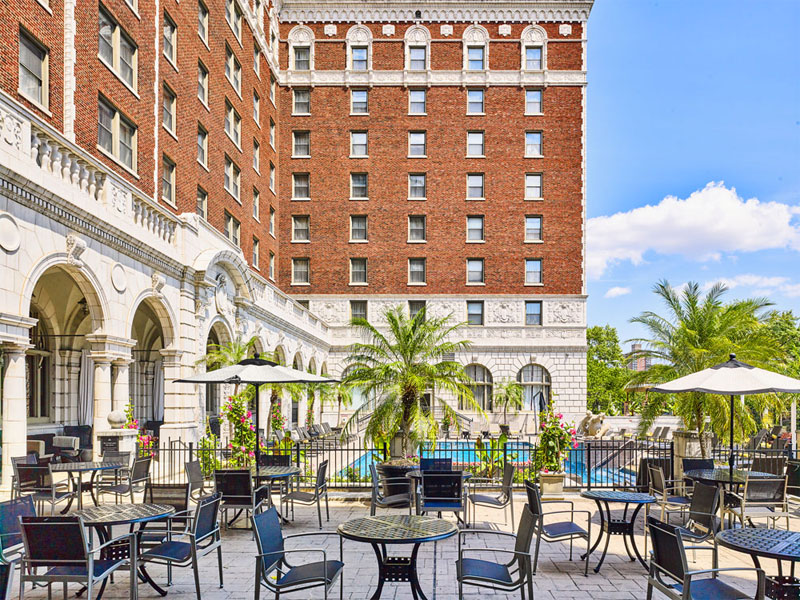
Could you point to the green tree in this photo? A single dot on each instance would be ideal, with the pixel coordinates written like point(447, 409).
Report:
point(227, 354)
point(507, 395)
point(606, 374)
point(398, 366)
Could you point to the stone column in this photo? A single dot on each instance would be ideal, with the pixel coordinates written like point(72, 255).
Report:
point(102, 397)
point(179, 400)
point(15, 418)
point(120, 384)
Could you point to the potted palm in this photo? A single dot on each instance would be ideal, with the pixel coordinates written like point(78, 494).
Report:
point(556, 439)
point(507, 395)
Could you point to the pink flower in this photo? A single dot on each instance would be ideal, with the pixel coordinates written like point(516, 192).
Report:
point(249, 414)
point(545, 471)
point(575, 444)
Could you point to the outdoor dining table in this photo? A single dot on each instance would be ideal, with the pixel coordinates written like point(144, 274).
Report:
point(381, 531)
point(85, 467)
point(275, 473)
point(724, 477)
point(610, 526)
point(103, 518)
point(777, 544)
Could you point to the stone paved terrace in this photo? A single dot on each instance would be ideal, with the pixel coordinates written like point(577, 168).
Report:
point(556, 579)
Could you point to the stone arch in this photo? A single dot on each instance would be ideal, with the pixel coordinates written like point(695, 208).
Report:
point(162, 310)
point(417, 35)
point(475, 35)
point(232, 263)
point(280, 354)
point(323, 370)
point(297, 361)
point(535, 378)
point(301, 35)
point(533, 36)
point(359, 36)
point(220, 326)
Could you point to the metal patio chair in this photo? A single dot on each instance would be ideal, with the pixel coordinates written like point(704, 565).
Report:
point(773, 464)
point(239, 494)
point(196, 479)
point(503, 500)
point(135, 481)
point(666, 493)
point(310, 498)
point(435, 464)
point(402, 500)
point(760, 499)
point(11, 546)
point(37, 481)
point(443, 491)
point(156, 532)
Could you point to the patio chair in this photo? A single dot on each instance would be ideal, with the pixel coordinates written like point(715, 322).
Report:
point(703, 522)
point(237, 493)
point(773, 464)
point(503, 500)
point(435, 464)
point(272, 558)
point(37, 481)
point(670, 575)
point(666, 494)
point(11, 546)
point(184, 549)
point(196, 479)
point(28, 459)
point(84, 434)
point(514, 575)
point(171, 494)
point(403, 500)
point(760, 499)
point(694, 464)
point(135, 481)
point(309, 498)
point(560, 530)
point(442, 491)
point(57, 551)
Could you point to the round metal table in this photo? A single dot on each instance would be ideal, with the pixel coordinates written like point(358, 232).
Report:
point(610, 526)
point(777, 544)
point(85, 467)
point(275, 473)
point(397, 529)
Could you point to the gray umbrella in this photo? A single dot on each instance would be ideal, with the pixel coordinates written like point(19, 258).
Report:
point(256, 371)
point(732, 378)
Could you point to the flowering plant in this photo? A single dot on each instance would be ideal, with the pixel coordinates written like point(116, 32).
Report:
point(556, 438)
point(278, 421)
point(145, 442)
point(236, 412)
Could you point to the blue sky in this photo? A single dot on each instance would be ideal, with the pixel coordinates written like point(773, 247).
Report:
point(693, 151)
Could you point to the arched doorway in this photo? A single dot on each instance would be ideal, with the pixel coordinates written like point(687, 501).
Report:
point(146, 382)
point(297, 363)
point(217, 336)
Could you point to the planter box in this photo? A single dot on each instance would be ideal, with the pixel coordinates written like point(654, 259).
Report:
point(392, 471)
point(551, 485)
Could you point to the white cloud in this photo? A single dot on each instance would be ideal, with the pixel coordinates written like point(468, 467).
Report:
point(617, 291)
point(708, 223)
point(759, 285)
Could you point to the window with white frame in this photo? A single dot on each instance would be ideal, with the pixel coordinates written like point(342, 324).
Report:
point(533, 58)
point(417, 228)
point(300, 271)
point(116, 134)
point(272, 265)
point(475, 231)
point(168, 109)
point(233, 15)
point(202, 145)
point(232, 228)
point(535, 382)
point(417, 102)
point(272, 85)
point(533, 271)
point(167, 180)
point(202, 83)
point(359, 58)
point(417, 144)
point(256, 205)
point(233, 123)
point(232, 177)
point(170, 38)
point(474, 312)
point(475, 144)
point(302, 101)
point(417, 40)
point(233, 70)
point(475, 187)
point(476, 102)
point(272, 133)
point(417, 58)
point(476, 58)
point(33, 70)
point(272, 221)
point(358, 186)
point(533, 312)
point(358, 271)
point(415, 307)
point(302, 58)
point(256, 252)
point(533, 144)
point(300, 228)
point(358, 309)
point(256, 107)
point(202, 203)
point(533, 186)
point(533, 102)
point(533, 228)
point(272, 177)
point(358, 144)
point(301, 144)
point(256, 57)
point(301, 189)
point(358, 228)
point(256, 156)
point(359, 104)
point(475, 273)
point(417, 186)
point(417, 271)
point(481, 387)
point(202, 21)
point(116, 48)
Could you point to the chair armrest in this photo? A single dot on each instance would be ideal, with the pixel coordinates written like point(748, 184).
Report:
point(464, 532)
point(260, 488)
point(295, 550)
point(722, 570)
point(463, 551)
point(570, 502)
point(568, 512)
point(402, 479)
point(299, 535)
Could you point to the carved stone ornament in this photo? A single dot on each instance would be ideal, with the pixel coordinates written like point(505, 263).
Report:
point(476, 34)
point(388, 30)
point(120, 199)
point(222, 296)
point(329, 312)
point(565, 312)
point(12, 129)
point(565, 29)
point(504, 30)
point(10, 238)
point(118, 278)
point(417, 35)
point(75, 248)
point(330, 29)
point(358, 34)
point(158, 283)
point(505, 312)
point(446, 30)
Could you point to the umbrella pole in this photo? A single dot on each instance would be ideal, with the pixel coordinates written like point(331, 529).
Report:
point(730, 458)
point(258, 442)
point(794, 428)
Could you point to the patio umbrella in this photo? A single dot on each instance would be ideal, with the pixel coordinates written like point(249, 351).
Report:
point(732, 378)
point(255, 371)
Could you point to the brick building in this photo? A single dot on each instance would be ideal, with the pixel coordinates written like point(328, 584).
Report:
point(189, 172)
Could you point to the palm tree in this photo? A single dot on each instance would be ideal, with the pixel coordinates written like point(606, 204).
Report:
point(394, 369)
point(227, 354)
point(507, 394)
point(700, 331)
point(276, 390)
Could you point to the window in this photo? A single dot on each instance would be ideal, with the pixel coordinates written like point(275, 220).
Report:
point(202, 145)
point(256, 205)
point(415, 306)
point(116, 48)
point(302, 58)
point(417, 104)
point(256, 108)
point(232, 228)
point(256, 252)
point(358, 228)
point(533, 58)
point(116, 134)
point(232, 178)
point(359, 102)
point(475, 186)
point(202, 22)
point(416, 271)
point(418, 58)
point(359, 58)
point(535, 381)
point(272, 86)
point(476, 58)
point(233, 70)
point(272, 177)
point(358, 271)
point(533, 186)
point(533, 143)
point(417, 186)
point(233, 123)
point(533, 271)
point(481, 387)
point(272, 133)
point(475, 102)
point(358, 144)
point(475, 270)
point(533, 313)
point(272, 266)
point(256, 156)
point(167, 180)
point(358, 185)
point(301, 144)
point(358, 309)
point(202, 203)
point(417, 228)
point(202, 83)
point(302, 102)
point(168, 109)
point(416, 143)
point(474, 313)
point(533, 102)
point(300, 186)
point(475, 144)
point(300, 274)
point(300, 228)
point(233, 15)
point(475, 228)
point(533, 228)
point(170, 38)
point(33, 70)
point(272, 221)
point(256, 57)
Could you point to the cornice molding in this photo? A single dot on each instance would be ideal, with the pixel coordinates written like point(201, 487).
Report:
point(431, 78)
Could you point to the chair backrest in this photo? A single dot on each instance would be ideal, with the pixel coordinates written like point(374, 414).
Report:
point(269, 538)
point(10, 513)
point(704, 507)
point(275, 460)
point(508, 477)
point(54, 541)
point(665, 433)
point(693, 464)
point(525, 531)
point(776, 430)
point(442, 485)
point(765, 491)
point(657, 433)
point(327, 428)
point(435, 464)
point(234, 484)
point(668, 552)
point(141, 469)
point(771, 463)
point(82, 432)
point(322, 476)
point(373, 472)
point(534, 498)
point(32, 478)
point(194, 474)
point(657, 480)
point(171, 494)
point(206, 516)
point(116, 456)
point(28, 459)
point(756, 440)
